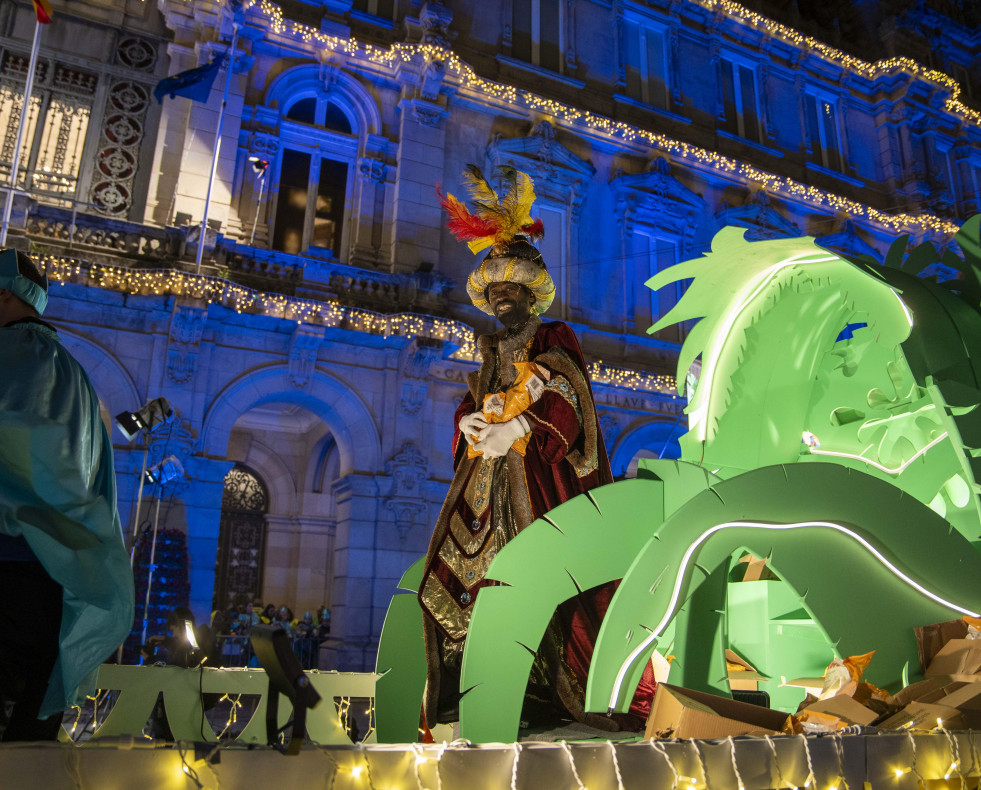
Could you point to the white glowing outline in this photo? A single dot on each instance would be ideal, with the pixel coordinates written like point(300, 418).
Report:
point(695, 416)
point(909, 315)
point(901, 468)
point(676, 592)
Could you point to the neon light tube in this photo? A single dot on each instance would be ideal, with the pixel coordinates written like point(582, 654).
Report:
point(901, 468)
point(676, 592)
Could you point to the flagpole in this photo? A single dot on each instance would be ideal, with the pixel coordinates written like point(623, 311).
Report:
point(217, 147)
point(21, 126)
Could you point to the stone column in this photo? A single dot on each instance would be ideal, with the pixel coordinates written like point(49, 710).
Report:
point(203, 512)
point(356, 612)
point(417, 213)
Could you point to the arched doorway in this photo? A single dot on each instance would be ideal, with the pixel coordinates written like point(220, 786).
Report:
point(241, 538)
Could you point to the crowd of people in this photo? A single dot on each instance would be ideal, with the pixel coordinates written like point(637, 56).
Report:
point(231, 629)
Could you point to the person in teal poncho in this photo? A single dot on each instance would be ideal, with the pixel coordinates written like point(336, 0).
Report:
point(65, 577)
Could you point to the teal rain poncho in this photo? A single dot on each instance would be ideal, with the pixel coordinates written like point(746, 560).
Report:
point(58, 490)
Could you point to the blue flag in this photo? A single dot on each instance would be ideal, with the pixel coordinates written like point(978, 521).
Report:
point(193, 84)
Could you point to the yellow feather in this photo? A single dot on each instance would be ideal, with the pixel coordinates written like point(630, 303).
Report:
point(524, 198)
point(480, 244)
point(485, 198)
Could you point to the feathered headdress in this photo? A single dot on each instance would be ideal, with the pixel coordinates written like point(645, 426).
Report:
point(505, 225)
point(496, 220)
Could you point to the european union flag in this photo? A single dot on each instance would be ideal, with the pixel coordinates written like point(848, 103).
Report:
point(193, 84)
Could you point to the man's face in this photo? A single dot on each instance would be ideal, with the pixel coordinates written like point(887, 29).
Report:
point(510, 302)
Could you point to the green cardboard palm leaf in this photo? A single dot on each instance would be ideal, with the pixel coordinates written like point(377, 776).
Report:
point(585, 542)
point(858, 603)
point(401, 663)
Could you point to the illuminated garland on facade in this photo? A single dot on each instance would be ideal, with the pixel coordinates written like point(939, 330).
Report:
point(407, 53)
point(330, 313)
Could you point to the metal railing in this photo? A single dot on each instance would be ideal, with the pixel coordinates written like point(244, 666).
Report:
point(235, 650)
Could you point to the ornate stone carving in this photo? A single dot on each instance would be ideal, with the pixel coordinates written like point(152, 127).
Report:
point(412, 399)
point(431, 79)
point(416, 360)
point(263, 144)
point(304, 346)
point(174, 439)
point(655, 199)
point(427, 116)
point(186, 328)
point(419, 356)
point(406, 514)
point(329, 75)
point(559, 174)
point(762, 220)
point(126, 107)
point(408, 468)
point(373, 170)
point(435, 18)
point(609, 427)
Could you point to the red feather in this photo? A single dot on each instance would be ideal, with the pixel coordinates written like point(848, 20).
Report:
point(534, 231)
point(464, 225)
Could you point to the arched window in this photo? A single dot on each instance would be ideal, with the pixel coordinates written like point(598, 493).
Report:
point(241, 539)
point(314, 177)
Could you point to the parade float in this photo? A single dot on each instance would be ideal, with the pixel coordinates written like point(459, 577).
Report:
point(832, 442)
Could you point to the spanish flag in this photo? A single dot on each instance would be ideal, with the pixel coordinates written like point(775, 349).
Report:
point(43, 10)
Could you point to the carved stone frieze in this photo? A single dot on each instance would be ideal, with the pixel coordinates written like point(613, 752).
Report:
point(304, 347)
point(184, 342)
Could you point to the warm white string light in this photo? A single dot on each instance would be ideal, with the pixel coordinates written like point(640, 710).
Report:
point(810, 765)
point(616, 765)
point(572, 765)
point(955, 754)
point(516, 747)
point(735, 764)
point(776, 763)
point(836, 741)
point(701, 764)
point(497, 92)
point(662, 750)
point(214, 290)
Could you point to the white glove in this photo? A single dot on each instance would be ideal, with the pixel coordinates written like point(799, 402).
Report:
point(472, 426)
point(497, 438)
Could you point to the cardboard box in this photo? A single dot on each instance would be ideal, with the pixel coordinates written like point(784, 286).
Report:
point(957, 657)
point(745, 679)
point(930, 638)
point(683, 713)
point(845, 709)
point(923, 716)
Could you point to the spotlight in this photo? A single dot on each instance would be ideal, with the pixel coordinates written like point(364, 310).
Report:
point(275, 654)
point(170, 468)
point(258, 165)
point(155, 412)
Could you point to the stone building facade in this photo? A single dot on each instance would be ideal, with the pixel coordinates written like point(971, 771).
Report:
point(316, 355)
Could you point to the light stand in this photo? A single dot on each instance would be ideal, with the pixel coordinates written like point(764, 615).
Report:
point(154, 413)
point(259, 166)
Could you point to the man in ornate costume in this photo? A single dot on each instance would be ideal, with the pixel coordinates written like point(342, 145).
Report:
point(526, 440)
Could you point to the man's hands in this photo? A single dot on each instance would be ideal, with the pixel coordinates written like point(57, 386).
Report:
point(492, 439)
point(496, 439)
point(472, 425)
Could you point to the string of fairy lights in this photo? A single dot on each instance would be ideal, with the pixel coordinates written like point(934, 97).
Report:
point(559, 111)
point(208, 290)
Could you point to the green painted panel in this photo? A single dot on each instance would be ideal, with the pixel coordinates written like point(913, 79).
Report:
point(859, 604)
point(401, 663)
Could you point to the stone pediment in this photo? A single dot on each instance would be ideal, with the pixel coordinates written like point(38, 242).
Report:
point(657, 191)
point(760, 218)
point(560, 176)
point(848, 242)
